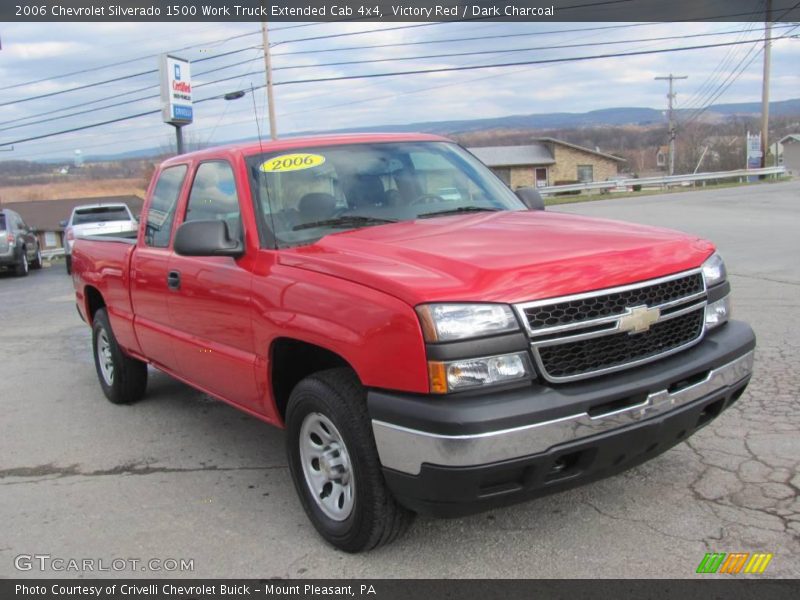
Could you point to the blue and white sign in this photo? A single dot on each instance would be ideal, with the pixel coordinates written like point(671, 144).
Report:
point(753, 153)
point(176, 90)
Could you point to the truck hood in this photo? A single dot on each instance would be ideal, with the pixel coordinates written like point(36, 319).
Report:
point(510, 256)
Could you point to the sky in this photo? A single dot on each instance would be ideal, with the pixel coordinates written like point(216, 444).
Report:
point(44, 51)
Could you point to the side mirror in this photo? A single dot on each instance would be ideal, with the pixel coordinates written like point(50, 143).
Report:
point(206, 238)
point(531, 198)
point(63, 224)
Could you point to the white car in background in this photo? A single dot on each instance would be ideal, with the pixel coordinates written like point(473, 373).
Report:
point(95, 219)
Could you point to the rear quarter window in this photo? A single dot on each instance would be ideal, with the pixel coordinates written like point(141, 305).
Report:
point(2, 222)
point(161, 212)
point(100, 214)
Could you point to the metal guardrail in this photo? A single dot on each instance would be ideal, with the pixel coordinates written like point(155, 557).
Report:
point(663, 181)
point(48, 254)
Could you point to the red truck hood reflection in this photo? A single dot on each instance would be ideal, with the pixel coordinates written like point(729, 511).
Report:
point(499, 257)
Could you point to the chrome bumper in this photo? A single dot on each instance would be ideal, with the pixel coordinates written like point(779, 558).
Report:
point(405, 450)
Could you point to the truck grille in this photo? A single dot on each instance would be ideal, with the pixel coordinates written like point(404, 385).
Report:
point(586, 335)
point(601, 353)
point(603, 305)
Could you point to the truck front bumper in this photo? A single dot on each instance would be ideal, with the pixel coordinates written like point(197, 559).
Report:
point(456, 455)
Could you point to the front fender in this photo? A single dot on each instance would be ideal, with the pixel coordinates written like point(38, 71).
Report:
point(378, 335)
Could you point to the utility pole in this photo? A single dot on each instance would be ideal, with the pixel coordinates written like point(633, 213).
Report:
point(672, 134)
point(273, 129)
point(765, 84)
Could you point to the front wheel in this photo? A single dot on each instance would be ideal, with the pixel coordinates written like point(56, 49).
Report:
point(68, 264)
point(335, 465)
point(123, 379)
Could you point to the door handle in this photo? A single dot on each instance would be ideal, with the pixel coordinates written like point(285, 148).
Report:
point(174, 280)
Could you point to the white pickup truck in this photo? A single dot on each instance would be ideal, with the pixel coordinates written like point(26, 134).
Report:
point(95, 219)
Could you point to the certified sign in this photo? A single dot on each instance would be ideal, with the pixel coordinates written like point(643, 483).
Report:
point(176, 90)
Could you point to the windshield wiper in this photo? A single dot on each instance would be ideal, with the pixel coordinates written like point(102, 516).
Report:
point(460, 209)
point(345, 221)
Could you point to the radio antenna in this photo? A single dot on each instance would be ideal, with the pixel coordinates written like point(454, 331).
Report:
point(259, 173)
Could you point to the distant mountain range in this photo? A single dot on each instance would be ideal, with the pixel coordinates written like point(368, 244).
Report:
point(595, 118)
point(606, 116)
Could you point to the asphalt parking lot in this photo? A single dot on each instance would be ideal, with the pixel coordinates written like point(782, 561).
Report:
point(180, 475)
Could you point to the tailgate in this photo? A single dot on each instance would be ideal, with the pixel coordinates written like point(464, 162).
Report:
point(102, 227)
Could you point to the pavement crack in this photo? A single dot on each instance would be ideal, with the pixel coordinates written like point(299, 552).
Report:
point(762, 278)
point(48, 472)
point(642, 522)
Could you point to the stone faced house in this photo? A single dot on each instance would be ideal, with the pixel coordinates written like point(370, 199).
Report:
point(547, 161)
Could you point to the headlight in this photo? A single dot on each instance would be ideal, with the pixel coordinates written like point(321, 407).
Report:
point(714, 271)
point(718, 312)
point(448, 322)
point(476, 372)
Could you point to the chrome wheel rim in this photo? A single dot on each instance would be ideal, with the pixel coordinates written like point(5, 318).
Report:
point(326, 466)
point(104, 358)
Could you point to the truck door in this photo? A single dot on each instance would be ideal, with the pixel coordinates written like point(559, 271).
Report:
point(210, 308)
point(150, 267)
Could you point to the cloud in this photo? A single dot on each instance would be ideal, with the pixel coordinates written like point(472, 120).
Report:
point(39, 51)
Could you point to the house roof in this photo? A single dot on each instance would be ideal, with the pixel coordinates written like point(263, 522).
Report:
point(537, 153)
point(792, 137)
point(512, 156)
point(46, 215)
point(582, 149)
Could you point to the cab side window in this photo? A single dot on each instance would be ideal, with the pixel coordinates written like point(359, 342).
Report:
point(161, 213)
point(213, 197)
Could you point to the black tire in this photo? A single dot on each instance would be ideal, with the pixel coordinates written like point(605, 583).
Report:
point(22, 269)
point(128, 380)
point(68, 263)
point(37, 261)
point(376, 518)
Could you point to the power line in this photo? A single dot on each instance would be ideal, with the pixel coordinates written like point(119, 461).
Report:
point(511, 50)
point(514, 64)
point(733, 76)
point(116, 104)
point(508, 35)
point(360, 101)
point(146, 56)
point(398, 73)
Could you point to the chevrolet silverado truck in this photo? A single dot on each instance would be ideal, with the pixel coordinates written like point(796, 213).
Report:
point(430, 342)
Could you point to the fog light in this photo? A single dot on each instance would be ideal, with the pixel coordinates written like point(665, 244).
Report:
point(718, 312)
point(476, 372)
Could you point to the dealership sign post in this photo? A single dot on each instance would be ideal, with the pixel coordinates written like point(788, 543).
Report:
point(753, 153)
point(176, 94)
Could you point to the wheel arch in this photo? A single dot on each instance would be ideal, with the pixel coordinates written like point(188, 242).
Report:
point(94, 301)
point(292, 360)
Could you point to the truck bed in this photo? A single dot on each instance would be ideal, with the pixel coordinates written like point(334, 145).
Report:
point(103, 262)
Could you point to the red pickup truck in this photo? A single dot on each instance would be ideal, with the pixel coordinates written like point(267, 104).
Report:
point(431, 342)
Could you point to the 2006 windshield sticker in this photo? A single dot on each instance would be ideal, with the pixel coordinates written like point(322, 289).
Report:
point(292, 162)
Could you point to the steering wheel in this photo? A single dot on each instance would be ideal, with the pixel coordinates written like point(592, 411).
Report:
point(427, 199)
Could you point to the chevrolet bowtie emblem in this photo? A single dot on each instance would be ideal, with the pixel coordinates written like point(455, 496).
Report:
point(639, 319)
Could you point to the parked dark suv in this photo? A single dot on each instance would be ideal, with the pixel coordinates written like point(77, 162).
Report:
point(19, 248)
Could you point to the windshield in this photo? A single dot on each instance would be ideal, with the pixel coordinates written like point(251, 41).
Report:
point(303, 195)
point(100, 214)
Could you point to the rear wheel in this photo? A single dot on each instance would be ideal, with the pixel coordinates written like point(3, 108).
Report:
point(123, 379)
point(37, 261)
point(22, 266)
point(335, 465)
